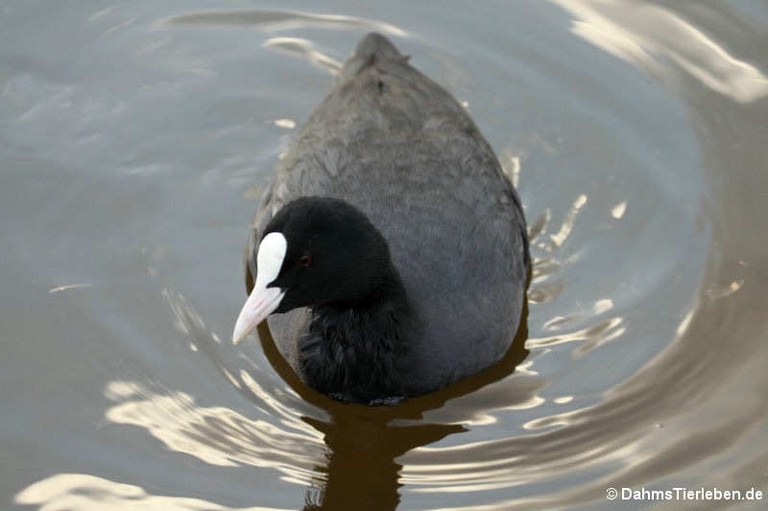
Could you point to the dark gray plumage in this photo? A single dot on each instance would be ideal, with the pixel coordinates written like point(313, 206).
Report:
point(395, 145)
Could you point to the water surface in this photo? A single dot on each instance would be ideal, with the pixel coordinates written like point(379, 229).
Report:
point(136, 139)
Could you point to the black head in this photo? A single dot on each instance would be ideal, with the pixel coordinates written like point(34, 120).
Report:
point(317, 252)
point(334, 255)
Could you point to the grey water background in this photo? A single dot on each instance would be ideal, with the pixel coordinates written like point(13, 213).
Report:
point(135, 140)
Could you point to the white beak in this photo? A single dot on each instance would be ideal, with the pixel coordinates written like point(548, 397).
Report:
point(263, 300)
point(260, 304)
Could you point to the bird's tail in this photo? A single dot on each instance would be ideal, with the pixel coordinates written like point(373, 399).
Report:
point(372, 49)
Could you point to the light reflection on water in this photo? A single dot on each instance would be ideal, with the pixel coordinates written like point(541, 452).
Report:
point(85, 492)
point(215, 435)
point(634, 135)
point(641, 34)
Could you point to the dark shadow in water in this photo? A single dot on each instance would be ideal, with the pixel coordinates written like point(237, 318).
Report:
point(364, 442)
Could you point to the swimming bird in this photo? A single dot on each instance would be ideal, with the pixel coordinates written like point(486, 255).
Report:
point(390, 251)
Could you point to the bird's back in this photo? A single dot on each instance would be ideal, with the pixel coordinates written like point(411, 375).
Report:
point(397, 146)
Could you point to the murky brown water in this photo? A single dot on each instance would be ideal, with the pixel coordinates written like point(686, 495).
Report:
point(136, 136)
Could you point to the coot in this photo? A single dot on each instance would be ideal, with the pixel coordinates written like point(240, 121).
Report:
point(390, 242)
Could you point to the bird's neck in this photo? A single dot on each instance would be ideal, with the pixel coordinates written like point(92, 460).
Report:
point(353, 352)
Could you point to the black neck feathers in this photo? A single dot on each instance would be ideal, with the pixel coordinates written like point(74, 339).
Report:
point(352, 351)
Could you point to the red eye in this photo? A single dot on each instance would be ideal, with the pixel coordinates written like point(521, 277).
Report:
point(305, 261)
